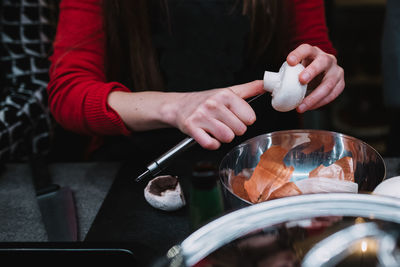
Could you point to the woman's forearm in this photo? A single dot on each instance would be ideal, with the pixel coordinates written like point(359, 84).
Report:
point(143, 111)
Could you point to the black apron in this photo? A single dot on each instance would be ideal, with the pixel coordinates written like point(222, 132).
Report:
point(202, 47)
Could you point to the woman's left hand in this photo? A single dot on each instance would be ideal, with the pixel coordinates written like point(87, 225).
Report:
point(321, 72)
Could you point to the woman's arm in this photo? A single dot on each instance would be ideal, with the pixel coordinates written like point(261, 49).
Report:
point(210, 117)
point(82, 101)
point(307, 25)
point(77, 89)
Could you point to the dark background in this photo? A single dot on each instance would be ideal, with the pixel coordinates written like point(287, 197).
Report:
point(356, 29)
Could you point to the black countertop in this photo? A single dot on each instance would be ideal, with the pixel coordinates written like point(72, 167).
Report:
point(112, 211)
point(126, 218)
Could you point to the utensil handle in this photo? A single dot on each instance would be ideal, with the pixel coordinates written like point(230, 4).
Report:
point(162, 162)
point(41, 175)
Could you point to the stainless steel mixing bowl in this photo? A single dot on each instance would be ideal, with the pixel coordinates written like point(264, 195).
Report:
point(307, 150)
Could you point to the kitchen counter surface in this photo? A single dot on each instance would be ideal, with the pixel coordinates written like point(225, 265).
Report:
point(20, 219)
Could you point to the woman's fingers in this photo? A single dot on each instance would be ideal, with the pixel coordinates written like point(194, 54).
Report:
point(212, 133)
point(334, 93)
point(316, 61)
point(317, 64)
point(217, 116)
point(219, 109)
point(220, 131)
point(228, 106)
point(330, 88)
point(248, 90)
point(239, 108)
point(204, 139)
point(322, 63)
point(236, 122)
point(300, 53)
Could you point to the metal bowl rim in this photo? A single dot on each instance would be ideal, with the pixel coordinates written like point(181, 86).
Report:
point(238, 223)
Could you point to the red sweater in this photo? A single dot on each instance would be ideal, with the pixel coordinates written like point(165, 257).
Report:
point(78, 89)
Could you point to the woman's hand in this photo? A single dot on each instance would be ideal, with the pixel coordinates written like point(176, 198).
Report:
point(211, 117)
point(322, 73)
point(216, 116)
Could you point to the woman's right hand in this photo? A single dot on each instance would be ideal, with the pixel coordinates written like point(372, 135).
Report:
point(215, 116)
point(211, 117)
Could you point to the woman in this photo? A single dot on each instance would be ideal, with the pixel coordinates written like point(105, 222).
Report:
point(131, 67)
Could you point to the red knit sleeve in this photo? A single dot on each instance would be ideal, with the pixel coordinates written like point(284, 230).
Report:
point(77, 89)
point(307, 24)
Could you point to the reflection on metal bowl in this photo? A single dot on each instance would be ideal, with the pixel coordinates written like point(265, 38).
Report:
point(308, 149)
point(338, 229)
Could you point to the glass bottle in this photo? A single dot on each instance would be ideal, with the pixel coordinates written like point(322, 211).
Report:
point(206, 201)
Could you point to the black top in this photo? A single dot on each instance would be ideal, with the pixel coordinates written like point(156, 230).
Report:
point(202, 48)
point(201, 45)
